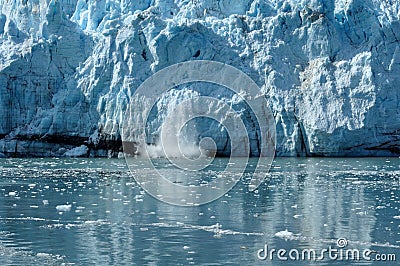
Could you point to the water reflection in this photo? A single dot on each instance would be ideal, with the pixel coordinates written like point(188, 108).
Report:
point(112, 220)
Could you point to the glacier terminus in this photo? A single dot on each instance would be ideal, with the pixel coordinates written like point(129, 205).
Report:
point(330, 71)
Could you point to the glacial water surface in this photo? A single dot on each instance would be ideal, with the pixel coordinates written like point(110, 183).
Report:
point(92, 212)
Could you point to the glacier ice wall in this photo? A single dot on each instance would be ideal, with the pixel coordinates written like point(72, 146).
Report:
point(329, 69)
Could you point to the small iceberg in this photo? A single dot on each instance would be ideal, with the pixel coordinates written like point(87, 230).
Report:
point(64, 208)
point(286, 235)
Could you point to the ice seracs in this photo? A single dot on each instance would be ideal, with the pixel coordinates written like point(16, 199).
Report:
point(329, 69)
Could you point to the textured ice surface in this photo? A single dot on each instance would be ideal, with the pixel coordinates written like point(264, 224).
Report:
point(329, 69)
point(77, 151)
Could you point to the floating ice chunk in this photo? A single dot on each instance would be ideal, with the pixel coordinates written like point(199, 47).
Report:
point(64, 208)
point(40, 254)
point(285, 234)
point(12, 193)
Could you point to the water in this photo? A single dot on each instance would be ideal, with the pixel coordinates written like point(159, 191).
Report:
point(104, 218)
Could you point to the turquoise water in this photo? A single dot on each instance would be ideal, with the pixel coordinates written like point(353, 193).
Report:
point(92, 212)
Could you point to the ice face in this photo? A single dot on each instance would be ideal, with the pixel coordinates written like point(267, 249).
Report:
point(329, 69)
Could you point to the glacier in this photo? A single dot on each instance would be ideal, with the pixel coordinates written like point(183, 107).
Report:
point(330, 71)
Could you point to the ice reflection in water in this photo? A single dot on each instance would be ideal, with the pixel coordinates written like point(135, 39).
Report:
point(92, 211)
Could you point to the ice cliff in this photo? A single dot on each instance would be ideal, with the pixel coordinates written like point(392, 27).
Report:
point(329, 69)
